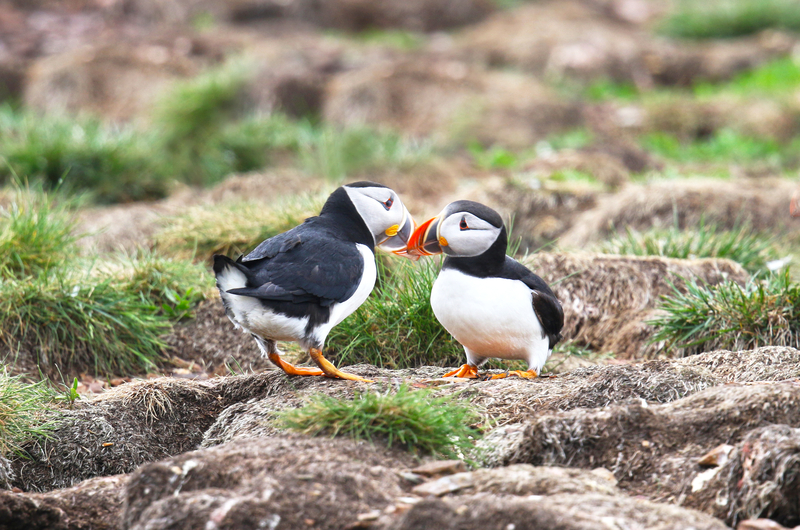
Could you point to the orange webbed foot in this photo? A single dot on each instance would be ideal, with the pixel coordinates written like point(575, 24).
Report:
point(468, 371)
point(528, 374)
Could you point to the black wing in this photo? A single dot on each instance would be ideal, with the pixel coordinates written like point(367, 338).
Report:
point(545, 304)
point(305, 264)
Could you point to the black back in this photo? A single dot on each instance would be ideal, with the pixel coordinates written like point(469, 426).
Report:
point(494, 263)
point(303, 271)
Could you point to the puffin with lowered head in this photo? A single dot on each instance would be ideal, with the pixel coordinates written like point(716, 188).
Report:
point(298, 285)
point(491, 304)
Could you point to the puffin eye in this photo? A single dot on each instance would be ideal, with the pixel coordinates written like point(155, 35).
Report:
point(388, 203)
point(463, 224)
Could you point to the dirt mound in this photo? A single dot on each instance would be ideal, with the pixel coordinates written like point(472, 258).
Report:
point(259, 483)
point(557, 512)
point(127, 426)
point(608, 169)
point(94, 504)
point(761, 203)
point(770, 363)
point(760, 478)
point(428, 95)
point(652, 449)
point(608, 299)
point(579, 40)
point(117, 81)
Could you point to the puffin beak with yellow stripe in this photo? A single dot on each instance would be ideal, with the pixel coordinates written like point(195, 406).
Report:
point(491, 304)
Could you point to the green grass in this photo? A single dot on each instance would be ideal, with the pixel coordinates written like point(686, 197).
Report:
point(413, 419)
point(724, 145)
point(23, 413)
point(173, 286)
point(231, 228)
point(396, 327)
point(75, 321)
point(779, 77)
point(730, 18)
point(115, 164)
point(37, 232)
point(742, 245)
point(765, 312)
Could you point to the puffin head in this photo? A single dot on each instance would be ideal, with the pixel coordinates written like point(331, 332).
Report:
point(463, 229)
point(383, 213)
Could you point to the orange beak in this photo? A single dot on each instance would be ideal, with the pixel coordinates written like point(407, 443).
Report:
point(425, 240)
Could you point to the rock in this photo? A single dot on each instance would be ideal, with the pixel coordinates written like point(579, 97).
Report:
point(716, 457)
point(94, 504)
point(679, 433)
point(761, 478)
point(759, 524)
point(264, 482)
point(444, 485)
point(439, 468)
point(562, 511)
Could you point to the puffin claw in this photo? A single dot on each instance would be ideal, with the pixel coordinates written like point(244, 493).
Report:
point(468, 371)
point(330, 370)
point(528, 374)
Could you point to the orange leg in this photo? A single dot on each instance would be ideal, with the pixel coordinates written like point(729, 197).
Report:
point(291, 369)
point(469, 371)
point(330, 370)
point(528, 374)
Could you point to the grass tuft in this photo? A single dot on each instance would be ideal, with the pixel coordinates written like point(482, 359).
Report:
point(36, 232)
point(396, 327)
point(413, 419)
point(742, 245)
point(730, 18)
point(23, 413)
point(231, 228)
point(765, 312)
point(724, 145)
point(72, 321)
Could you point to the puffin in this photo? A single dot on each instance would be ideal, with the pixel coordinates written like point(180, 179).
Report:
point(494, 306)
point(298, 285)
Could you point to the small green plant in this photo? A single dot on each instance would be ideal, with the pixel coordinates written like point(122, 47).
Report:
point(741, 244)
point(730, 18)
point(775, 78)
point(37, 231)
point(414, 419)
point(765, 312)
point(492, 158)
point(606, 89)
point(396, 327)
point(70, 395)
point(23, 413)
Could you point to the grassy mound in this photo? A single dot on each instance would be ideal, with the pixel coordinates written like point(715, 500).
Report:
point(765, 312)
point(414, 419)
point(742, 245)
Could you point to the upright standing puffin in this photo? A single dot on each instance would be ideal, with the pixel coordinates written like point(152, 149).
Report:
point(299, 284)
point(493, 305)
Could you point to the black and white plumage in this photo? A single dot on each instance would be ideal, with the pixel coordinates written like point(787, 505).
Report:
point(493, 305)
point(298, 285)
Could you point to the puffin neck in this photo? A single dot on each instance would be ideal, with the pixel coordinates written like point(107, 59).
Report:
point(343, 219)
point(484, 265)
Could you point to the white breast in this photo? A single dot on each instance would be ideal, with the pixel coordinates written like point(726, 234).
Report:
point(340, 311)
point(490, 317)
